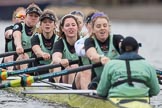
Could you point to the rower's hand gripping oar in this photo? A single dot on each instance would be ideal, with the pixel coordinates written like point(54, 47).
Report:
point(27, 81)
point(13, 53)
point(4, 75)
point(13, 63)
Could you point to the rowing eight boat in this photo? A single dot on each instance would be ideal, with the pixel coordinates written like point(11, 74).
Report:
point(54, 92)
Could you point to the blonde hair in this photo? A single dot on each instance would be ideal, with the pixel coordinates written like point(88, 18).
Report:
point(16, 11)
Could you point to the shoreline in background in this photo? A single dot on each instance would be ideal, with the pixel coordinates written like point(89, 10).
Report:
point(148, 13)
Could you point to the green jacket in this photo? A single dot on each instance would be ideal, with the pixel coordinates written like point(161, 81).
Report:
point(115, 70)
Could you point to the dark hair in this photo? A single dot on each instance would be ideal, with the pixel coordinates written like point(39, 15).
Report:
point(130, 44)
point(62, 21)
point(89, 17)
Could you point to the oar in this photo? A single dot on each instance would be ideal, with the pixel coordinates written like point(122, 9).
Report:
point(27, 81)
point(4, 75)
point(13, 63)
point(12, 53)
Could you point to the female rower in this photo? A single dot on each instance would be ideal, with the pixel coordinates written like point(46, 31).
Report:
point(102, 45)
point(64, 50)
point(43, 43)
point(80, 17)
point(22, 33)
point(17, 17)
point(79, 45)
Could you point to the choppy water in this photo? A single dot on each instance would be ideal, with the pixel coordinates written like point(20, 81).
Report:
point(149, 34)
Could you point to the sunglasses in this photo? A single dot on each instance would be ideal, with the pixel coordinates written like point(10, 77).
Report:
point(20, 16)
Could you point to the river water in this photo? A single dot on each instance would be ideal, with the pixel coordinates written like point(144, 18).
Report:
point(147, 33)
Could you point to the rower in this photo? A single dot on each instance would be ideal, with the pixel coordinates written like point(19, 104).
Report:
point(43, 42)
point(64, 51)
point(130, 75)
point(80, 17)
point(17, 17)
point(22, 33)
point(102, 45)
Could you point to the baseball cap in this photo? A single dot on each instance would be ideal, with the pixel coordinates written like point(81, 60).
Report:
point(47, 15)
point(33, 9)
point(130, 44)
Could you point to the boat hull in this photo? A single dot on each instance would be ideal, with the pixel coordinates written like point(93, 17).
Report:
point(75, 100)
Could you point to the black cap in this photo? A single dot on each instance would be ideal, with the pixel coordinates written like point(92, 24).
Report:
point(129, 44)
point(89, 17)
point(33, 10)
point(47, 15)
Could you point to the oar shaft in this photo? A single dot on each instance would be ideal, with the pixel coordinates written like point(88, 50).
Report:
point(4, 65)
point(12, 53)
point(4, 75)
point(27, 81)
point(65, 72)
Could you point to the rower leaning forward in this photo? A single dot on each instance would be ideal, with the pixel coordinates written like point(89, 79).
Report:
point(23, 32)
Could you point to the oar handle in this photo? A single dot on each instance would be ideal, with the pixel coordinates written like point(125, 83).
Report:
point(12, 53)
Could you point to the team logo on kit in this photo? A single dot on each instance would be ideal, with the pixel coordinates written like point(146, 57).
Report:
point(16, 27)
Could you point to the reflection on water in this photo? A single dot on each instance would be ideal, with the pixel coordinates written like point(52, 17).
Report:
point(149, 34)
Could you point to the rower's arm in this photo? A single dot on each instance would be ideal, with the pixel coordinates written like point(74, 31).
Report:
point(153, 83)
point(57, 57)
point(17, 42)
point(93, 55)
point(17, 38)
point(37, 50)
